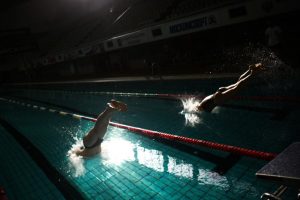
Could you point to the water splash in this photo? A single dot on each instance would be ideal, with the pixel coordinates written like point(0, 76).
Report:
point(277, 77)
point(76, 162)
point(190, 108)
point(191, 119)
point(278, 71)
point(190, 105)
point(250, 53)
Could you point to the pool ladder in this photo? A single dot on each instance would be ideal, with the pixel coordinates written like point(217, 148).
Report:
point(276, 195)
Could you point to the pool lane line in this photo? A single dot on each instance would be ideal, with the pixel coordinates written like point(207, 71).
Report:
point(291, 99)
point(210, 157)
point(277, 114)
point(61, 183)
point(222, 164)
point(131, 79)
point(180, 96)
point(213, 145)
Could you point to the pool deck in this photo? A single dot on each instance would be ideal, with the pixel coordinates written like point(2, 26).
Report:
point(285, 168)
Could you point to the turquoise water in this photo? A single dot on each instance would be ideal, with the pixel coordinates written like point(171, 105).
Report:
point(19, 174)
point(239, 127)
point(135, 167)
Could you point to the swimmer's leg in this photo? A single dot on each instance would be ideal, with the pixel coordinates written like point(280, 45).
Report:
point(102, 122)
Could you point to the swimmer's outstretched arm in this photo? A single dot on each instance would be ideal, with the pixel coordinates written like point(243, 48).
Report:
point(255, 67)
point(241, 83)
point(225, 93)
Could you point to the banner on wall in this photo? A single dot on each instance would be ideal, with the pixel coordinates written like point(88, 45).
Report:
point(215, 18)
point(193, 24)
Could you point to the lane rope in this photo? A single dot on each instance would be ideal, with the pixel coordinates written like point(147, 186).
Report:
point(295, 99)
point(156, 134)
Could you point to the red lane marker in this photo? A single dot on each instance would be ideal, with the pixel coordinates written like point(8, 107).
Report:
point(223, 147)
point(213, 145)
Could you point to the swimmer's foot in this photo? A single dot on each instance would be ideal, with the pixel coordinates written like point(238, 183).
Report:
point(117, 105)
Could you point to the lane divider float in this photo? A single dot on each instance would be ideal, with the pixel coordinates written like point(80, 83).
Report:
point(156, 134)
point(178, 96)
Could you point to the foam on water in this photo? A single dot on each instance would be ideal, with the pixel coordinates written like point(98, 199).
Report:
point(76, 162)
point(190, 105)
point(190, 108)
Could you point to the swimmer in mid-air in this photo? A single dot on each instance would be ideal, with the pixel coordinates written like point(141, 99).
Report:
point(93, 139)
point(225, 93)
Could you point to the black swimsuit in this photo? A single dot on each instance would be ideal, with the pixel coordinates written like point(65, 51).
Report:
point(97, 143)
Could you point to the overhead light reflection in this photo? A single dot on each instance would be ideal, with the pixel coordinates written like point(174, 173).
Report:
point(183, 169)
point(117, 151)
point(206, 177)
point(151, 158)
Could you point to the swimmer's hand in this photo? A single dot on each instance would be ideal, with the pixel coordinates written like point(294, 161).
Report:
point(258, 67)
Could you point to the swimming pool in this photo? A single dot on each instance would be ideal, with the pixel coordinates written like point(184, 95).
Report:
point(133, 166)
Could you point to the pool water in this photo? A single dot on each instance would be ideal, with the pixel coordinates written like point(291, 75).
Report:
point(133, 166)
